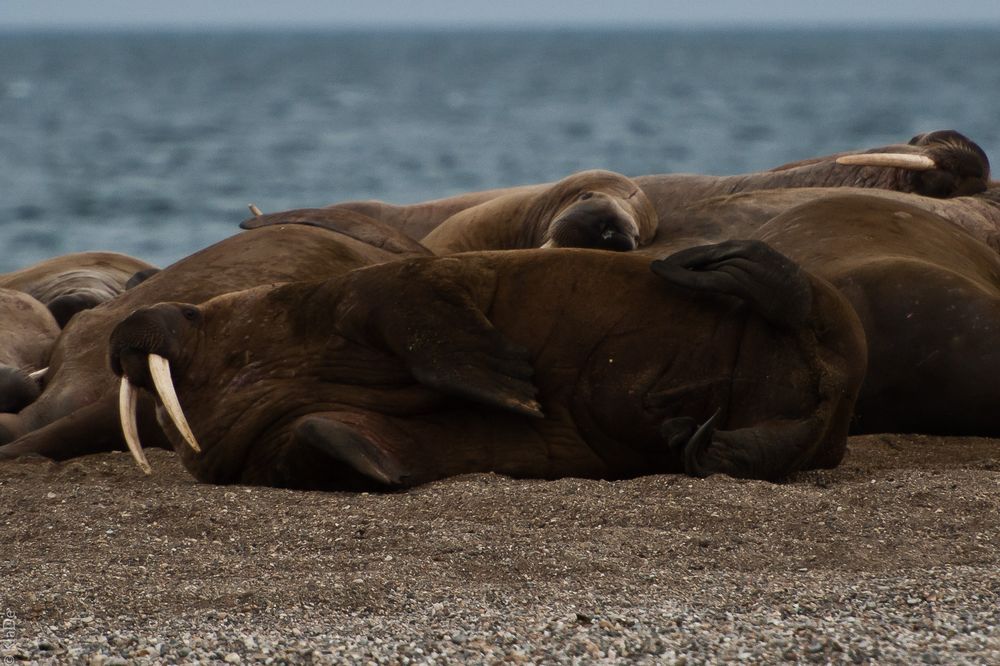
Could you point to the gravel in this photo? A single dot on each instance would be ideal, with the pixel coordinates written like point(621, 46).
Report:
point(893, 557)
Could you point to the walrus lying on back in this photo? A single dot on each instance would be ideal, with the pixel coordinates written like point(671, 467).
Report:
point(417, 369)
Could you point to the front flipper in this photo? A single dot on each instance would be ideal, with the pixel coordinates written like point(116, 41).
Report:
point(323, 436)
point(769, 451)
point(683, 436)
point(425, 312)
point(771, 283)
point(478, 365)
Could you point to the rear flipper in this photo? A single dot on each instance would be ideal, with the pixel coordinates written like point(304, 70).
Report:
point(347, 222)
point(769, 451)
point(771, 283)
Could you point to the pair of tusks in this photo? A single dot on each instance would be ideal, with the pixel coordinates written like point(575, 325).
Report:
point(128, 400)
point(897, 160)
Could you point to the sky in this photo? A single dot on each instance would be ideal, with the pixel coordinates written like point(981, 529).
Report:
point(459, 13)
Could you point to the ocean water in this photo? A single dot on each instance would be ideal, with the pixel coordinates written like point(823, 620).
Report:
point(153, 144)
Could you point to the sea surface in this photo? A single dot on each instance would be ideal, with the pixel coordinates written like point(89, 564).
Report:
point(153, 143)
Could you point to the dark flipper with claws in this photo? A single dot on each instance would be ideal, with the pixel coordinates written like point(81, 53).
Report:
point(782, 294)
point(771, 283)
point(686, 438)
point(769, 451)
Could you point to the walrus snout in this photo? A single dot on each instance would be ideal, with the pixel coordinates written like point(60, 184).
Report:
point(148, 331)
point(142, 349)
point(596, 222)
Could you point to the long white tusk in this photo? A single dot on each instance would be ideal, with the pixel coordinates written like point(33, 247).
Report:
point(898, 160)
point(159, 368)
point(38, 374)
point(549, 243)
point(128, 400)
point(253, 209)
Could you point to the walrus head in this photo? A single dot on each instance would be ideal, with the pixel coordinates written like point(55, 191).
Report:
point(940, 164)
point(143, 347)
point(594, 220)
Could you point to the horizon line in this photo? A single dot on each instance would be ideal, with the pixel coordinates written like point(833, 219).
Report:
point(646, 26)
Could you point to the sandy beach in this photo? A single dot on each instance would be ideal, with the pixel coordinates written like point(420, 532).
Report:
point(892, 557)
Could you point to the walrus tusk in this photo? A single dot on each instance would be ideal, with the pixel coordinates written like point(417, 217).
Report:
point(253, 209)
point(38, 374)
point(128, 401)
point(898, 160)
point(159, 368)
point(549, 243)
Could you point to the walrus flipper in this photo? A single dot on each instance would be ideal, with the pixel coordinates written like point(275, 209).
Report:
point(769, 451)
point(341, 443)
point(771, 283)
point(349, 223)
point(439, 331)
point(480, 376)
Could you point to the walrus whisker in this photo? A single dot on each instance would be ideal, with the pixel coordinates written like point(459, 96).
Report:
point(128, 401)
point(159, 368)
point(898, 160)
point(254, 210)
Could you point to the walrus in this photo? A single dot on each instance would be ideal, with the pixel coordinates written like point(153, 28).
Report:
point(73, 282)
point(409, 371)
point(589, 209)
point(928, 296)
point(937, 164)
point(29, 331)
point(75, 413)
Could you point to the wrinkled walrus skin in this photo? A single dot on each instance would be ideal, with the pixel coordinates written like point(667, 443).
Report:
point(414, 370)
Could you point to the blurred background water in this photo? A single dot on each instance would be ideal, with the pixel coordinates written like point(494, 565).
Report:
point(153, 143)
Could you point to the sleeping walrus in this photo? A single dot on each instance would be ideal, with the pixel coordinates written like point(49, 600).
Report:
point(76, 411)
point(938, 164)
point(414, 370)
point(29, 331)
point(70, 283)
point(590, 209)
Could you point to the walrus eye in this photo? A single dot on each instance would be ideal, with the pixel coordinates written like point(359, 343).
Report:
point(191, 314)
point(585, 196)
